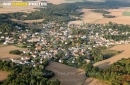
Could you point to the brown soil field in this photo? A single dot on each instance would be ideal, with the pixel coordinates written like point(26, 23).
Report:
point(92, 81)
point(92, 17)
point(125, 54)
point(3, 76)
point(66, 74)
point(88, 17)
point(27, 21)
point(119, 20)
point(12, 10)
point(56, 2)
point(70, 75)
point(31, 21)
point(4, 52)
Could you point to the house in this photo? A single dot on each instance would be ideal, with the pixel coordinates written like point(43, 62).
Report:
point(38, 48)
point(5, 43)
point(87, 60)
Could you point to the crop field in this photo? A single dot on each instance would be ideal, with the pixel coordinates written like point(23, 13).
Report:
point(66, 74)
point(27, 21)
point(91, 17)
point(68, 1)
point(125, 54)
point(70, 75)
point(12, 10)
point(126, 13)
point(4, 52)
point(3, 76)
point(56, 2)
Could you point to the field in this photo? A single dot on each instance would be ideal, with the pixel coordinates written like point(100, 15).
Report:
point(56, 2)
point(12, 10)
point(74, 76)
point(4, 52)
point(3, 75)
point(4, 10)
point(126, 13)
point(125, 54)
point(87, 17)
point(27, 21)
point(70, 75)
point(91, 17)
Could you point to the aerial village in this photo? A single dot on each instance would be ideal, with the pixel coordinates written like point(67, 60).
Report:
point(61, 41)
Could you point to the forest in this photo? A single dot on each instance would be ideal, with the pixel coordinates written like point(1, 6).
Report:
point(104, 13)
point(65, 12)
point(116, 74)
point(27, 74)
point(6, 25)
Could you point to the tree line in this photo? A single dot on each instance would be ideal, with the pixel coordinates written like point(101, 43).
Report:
point(65, 12)
point(27, 74)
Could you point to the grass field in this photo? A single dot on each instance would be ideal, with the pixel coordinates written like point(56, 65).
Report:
point(4, 52)
point(125, 54)
point(126, 13)
point(3, 76)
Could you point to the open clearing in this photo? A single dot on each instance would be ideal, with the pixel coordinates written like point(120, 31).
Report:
point(4, 52)
point(66, 74)
point(70, 75)
point(87, 17)
point(27, 21)
point(91, 17)
point(125, 54)
point(56, 2)
point(3, 76)
point(126, 13)
point(12, 10)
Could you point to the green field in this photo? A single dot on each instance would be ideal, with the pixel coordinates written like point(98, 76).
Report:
point(126, 14)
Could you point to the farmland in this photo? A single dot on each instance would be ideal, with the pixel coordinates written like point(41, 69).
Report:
point(27, 21)
point(56, 2)
point(66, 74)
point(4, 52)
point(3, 75)
point(126, 13)
point(91, 17)
point(70, 75)
point(8, 10)
point(125, 54)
